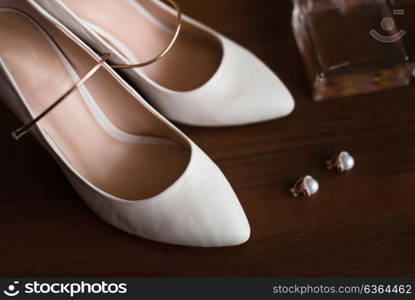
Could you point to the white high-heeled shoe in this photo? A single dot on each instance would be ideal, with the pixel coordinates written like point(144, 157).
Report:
point(205, 80)
point(131, 166)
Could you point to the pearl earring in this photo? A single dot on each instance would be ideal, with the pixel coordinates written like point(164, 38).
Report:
point(342, 162)
point(306, 186)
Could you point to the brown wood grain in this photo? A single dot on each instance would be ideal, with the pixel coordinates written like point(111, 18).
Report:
point(360, 224)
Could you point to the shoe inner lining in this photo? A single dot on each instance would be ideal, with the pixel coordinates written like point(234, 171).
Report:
point(143, 29)
point(140, 166)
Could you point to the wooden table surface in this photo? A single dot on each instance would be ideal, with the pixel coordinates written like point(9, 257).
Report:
point(360, 224)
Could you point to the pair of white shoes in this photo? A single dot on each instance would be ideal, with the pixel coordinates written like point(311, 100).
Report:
point(134, 168)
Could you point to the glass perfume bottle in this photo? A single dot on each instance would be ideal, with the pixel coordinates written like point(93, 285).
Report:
point(350, 46)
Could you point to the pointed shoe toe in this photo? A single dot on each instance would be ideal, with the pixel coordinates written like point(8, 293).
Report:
point(257, 93)
point(199, 210)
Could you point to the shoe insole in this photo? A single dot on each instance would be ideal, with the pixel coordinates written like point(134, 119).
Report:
point(127, 165)
point(143, 29)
